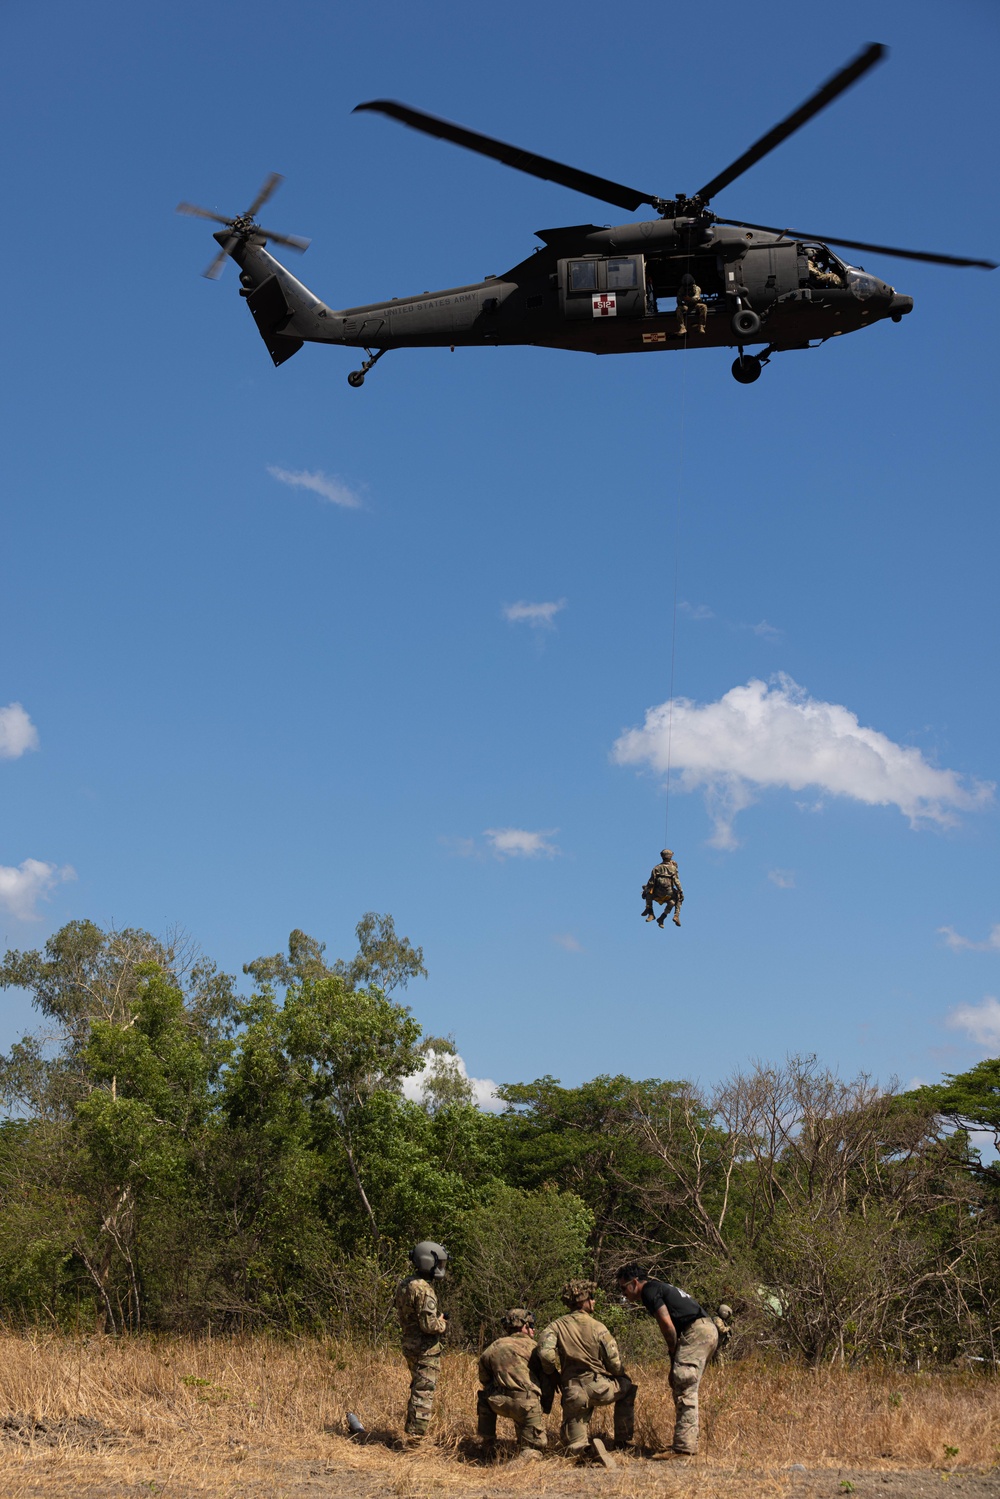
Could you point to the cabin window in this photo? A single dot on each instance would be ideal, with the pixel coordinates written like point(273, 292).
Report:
point(622, 275)
point(583, 275)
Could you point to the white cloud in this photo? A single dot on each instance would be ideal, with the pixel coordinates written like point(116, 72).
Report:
point(518, 843)
point(766, 631)
point(761, 735)
point(981, 1022)
point(567, 941)
point(695, 611)
point(484, 1089)
point(327, 486)
point(17, 732)
point(23, 887)
point(783, 878)
point(958, 943)
point(539, 616)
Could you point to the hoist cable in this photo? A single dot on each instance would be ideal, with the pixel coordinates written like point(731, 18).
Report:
point(678, 491)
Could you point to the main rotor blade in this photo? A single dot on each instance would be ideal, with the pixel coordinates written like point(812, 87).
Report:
point(273, 180)
point(291, 240)
point(201, 213)
point(859, 244)
point(824, 96)
point(512, 156)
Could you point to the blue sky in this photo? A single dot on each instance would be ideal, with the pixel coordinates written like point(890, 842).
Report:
point(247, 707)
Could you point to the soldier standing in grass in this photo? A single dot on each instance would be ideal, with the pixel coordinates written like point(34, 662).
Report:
point(583, 1354)
point(691, 1336)
point(511, 1377)
point(423, 1328)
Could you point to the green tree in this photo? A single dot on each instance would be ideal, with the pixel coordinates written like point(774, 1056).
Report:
point(516, 1248)
point(382, 961)
point(967, 1100)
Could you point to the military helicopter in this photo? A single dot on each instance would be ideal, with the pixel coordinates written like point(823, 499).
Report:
point(598, 289)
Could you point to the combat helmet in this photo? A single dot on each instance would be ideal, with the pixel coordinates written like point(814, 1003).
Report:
point(516, 1318)
point(575, 1292)
point(429, 1258)
point(666, 853)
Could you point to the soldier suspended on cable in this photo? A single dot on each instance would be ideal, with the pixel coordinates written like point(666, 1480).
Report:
point(664, 888)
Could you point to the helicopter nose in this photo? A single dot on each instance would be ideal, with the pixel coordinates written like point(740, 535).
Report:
point(899, 306)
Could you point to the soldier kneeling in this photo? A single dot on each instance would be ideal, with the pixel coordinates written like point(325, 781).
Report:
point(513, 1381)
point(583, 1354)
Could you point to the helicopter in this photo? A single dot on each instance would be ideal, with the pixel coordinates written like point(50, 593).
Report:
point(593, 288)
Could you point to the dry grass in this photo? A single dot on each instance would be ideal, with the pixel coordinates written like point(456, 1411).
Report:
point(255, 1417)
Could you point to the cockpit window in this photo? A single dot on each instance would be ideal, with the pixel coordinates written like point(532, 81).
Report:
point(622, 274)
point(583, 275)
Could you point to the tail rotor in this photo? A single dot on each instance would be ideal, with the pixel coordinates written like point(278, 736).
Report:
point(243, 226)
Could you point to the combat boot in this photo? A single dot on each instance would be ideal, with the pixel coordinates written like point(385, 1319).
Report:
point(602, 1454)
point(677, 919)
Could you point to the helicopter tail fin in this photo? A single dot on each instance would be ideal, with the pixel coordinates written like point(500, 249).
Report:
point(272, 313)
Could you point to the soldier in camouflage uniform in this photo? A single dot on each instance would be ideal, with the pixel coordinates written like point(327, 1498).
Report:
point(583, 1354)
point(512, 1379)
point(820, 273)
point(664, 887)
point(690, 307)
point(423, 1328)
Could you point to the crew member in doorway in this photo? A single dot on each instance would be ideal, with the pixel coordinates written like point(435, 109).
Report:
point(690, 306)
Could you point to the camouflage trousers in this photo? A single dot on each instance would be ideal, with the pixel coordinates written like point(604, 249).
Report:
point(523, 1409)
point(424, 1366)
point(580, 1397)
point(691, 312)
point(695, 1347)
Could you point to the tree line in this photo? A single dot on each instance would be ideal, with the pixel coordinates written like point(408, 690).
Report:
point(177, 1155)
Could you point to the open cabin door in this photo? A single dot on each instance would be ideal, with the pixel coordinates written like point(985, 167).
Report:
point(603, 286)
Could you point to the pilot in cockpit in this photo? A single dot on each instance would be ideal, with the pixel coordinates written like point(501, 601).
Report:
point(821, 268)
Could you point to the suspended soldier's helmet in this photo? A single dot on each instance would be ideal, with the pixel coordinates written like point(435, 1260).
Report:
point(516, 1318)
point(666, 853)
point(429, 1258)
point(575, 1292)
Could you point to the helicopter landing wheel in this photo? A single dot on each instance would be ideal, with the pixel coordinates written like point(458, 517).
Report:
point(746, 323)
point(356, 378)
point(747, 369)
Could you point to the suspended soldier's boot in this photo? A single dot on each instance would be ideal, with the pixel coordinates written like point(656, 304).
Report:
point(649, 915)
point(677, 919)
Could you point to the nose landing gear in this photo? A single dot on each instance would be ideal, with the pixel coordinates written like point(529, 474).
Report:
point(357, 377)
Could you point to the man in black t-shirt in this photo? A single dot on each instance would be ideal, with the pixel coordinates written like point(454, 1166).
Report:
point(691, 1336)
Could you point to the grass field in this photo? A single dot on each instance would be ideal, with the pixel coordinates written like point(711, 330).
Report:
point(254, 1417)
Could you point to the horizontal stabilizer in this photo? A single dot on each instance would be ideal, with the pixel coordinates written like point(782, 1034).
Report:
point(272, 313)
